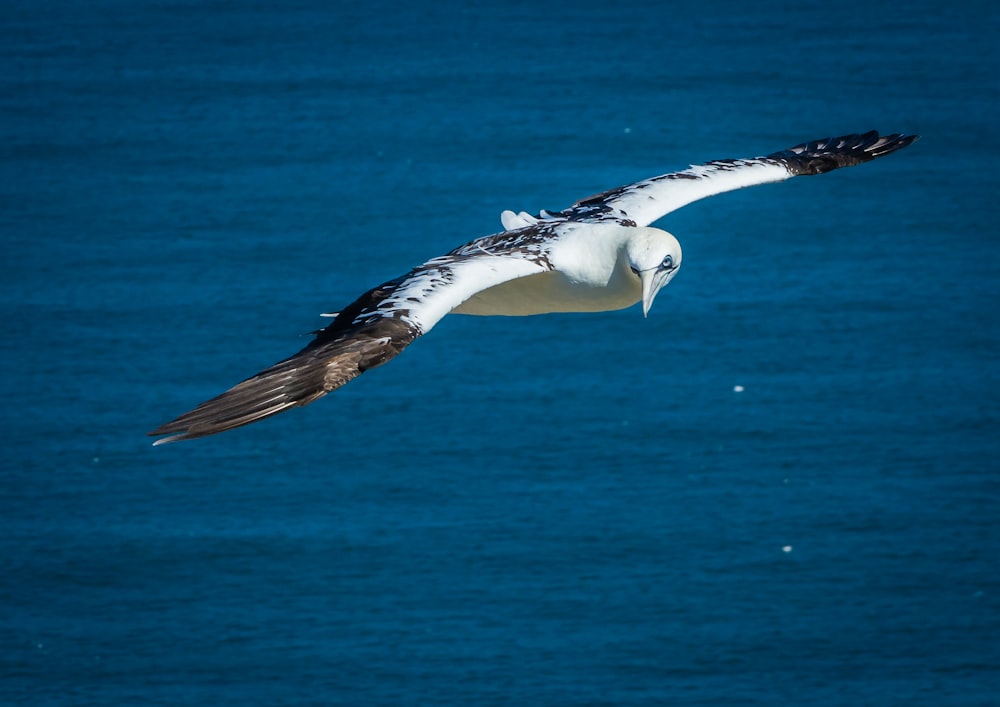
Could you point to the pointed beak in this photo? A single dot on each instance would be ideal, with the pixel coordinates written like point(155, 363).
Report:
point(649, 289)
point(653, 281)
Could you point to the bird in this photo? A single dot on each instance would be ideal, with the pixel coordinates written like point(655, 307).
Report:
point(600, 254)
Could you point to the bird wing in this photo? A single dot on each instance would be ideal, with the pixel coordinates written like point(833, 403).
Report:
point(369, 332)
point(386, 319)
point(642, 203)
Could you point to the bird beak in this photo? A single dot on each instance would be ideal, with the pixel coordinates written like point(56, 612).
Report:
point(653, 281)
point(649, 289)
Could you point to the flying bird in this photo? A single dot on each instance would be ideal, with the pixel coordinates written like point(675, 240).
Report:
point(600, 254)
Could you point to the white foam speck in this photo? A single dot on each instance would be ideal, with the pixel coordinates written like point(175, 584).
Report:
point(738, 388)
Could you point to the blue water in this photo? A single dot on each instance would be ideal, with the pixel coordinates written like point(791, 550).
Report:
point(556, 510)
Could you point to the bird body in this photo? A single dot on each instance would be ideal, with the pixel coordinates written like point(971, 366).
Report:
point(590, 272)
point(599, 254)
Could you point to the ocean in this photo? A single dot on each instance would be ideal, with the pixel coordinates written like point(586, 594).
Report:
point(781, 488)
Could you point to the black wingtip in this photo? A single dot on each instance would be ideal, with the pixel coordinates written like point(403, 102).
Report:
point(830, 153)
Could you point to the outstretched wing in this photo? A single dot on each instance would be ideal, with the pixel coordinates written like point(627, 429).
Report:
point(370, 332)
point(644, 202)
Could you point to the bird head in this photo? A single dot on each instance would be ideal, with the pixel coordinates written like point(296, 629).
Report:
point(654, 256)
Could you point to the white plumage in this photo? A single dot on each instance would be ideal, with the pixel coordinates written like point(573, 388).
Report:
point(599, 254)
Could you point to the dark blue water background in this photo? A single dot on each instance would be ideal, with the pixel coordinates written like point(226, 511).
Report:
point(573, 509)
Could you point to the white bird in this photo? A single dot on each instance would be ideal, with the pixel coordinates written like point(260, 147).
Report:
point(599, 254)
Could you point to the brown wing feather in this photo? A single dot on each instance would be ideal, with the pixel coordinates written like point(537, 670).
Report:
point(372, 330)
point(340, 353)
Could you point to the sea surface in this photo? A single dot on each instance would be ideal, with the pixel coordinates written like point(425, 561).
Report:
point(781, 488)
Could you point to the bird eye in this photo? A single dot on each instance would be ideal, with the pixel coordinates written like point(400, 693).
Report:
point(668, 262)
